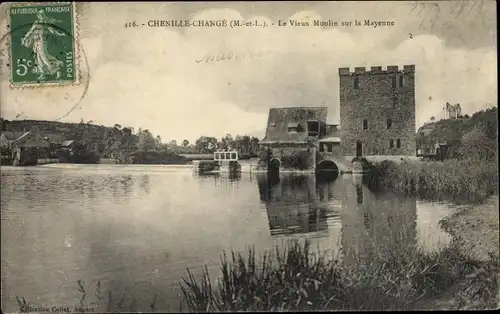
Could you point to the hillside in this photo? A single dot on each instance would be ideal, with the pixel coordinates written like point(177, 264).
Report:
point(122, 143)
point(480, 128)
point(109, 142)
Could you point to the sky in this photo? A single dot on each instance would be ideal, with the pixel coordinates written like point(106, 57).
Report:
point(149, 78)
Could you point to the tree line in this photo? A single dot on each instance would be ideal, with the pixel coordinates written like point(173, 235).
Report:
point(203, 145)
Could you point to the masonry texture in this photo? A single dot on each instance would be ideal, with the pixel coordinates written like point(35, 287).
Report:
point(368, 99)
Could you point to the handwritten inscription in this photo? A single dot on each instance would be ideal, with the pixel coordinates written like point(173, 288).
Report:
point(228, 56)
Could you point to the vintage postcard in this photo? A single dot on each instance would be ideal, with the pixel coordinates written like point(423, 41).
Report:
point(248, 156)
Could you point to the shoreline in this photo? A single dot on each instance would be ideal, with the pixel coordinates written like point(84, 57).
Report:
point(477, 228)
point(475, 233)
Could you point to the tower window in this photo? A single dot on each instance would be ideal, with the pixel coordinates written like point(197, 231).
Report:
point(356, 82)
point(393, 82)
point(401, 80)
point(394, 100)
point(389, 123)
point(398, 143)
point(365, 124)
point(391, 143)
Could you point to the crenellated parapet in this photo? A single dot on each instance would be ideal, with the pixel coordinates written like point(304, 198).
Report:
point(377, 70)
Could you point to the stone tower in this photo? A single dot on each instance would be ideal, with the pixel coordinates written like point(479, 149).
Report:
point(377, 111)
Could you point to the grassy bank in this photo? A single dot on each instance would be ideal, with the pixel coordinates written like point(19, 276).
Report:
point(452, 177)
point(475, 231)
point(297, 279)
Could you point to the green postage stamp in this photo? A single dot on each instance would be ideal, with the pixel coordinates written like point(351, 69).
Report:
point(43, 44)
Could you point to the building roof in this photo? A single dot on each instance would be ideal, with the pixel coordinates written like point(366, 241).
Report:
point(11, 136)
point(53, 138)
point(331, 139)
point(67, 143)
point(280, 118)
point(30, 139)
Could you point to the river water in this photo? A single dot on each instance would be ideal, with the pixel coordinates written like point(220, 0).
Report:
point(137, 228)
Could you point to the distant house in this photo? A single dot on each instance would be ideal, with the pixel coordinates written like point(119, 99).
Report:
point(298, 131)
point(68, 144)
point(55, 139)
point(27, 148)
point(437, 151)
point(7, 137)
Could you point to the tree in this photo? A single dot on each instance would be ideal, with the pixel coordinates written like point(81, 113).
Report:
point(117, 126)
point(475, 144)
point(127, 131)
point(185, 143)
point(173, 143)
point(433, 119)
point(254, 144)
point(146, 141)
point(206, 144)
point(246, 143)
point(237, 143)
point(158, 141)
point(227, 142)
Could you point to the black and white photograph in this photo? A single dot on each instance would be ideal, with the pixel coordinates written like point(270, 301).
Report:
point(267, 156)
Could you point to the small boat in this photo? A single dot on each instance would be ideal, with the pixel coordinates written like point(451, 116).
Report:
point(224, 161)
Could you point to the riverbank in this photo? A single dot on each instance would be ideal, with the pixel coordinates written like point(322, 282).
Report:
point(465, 275)
point(297, 279)
point(475, 232)
point(475, 178)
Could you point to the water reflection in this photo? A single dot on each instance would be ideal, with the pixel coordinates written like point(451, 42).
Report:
point(370, 223)
point(144, 183)
point(298, 203)
point(231, 176)
point(139, 227)
point(382, 224)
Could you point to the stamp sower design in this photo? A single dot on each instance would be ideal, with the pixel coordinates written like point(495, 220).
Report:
point(43, 44)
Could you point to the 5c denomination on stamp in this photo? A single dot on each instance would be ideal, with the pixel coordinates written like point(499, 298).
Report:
point(43, 44)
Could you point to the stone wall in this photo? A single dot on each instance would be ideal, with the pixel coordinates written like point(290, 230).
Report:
point(376, 100)
point(336, 149)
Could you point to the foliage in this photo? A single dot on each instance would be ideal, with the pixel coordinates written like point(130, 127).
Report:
point(299, 280)
point(453, 131)
point(296, 160)
point(146, 140)
point(476, 145)
point(155, 157)
point(206, 144)
point(454, 177)
point(246, 146)
point(117, 142)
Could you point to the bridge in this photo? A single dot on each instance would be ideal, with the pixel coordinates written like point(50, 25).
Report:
point(332, 161)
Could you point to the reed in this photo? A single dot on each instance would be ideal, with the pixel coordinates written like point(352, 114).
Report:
point(453, 177)
point(296, 279)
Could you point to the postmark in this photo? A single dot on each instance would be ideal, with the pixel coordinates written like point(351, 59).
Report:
point(43, 44)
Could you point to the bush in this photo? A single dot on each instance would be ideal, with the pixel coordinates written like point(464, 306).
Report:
point(296, 160)
point(155, 157)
